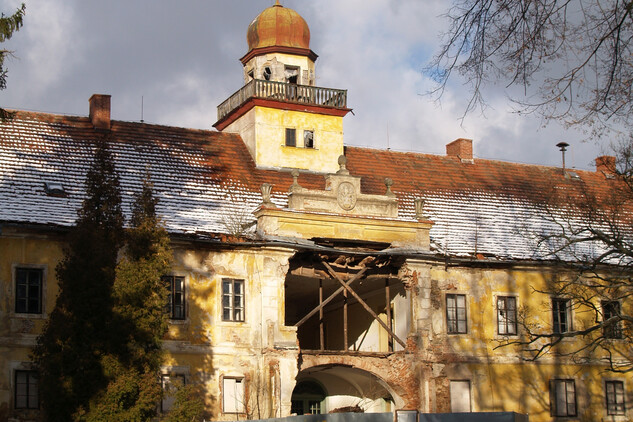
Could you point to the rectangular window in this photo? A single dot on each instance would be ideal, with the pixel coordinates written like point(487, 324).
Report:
point(614, 391)
point(507, 315)
point(291, 137)
point(561, 315)
point(610, 309)
point(456, 314)
point(28, 290)
point(233, 395)
point(26, 394)
point(170, 383)
point(562, 397)
point(232, 300)
point(460, 396)
point(308, 139)
point(176, 299)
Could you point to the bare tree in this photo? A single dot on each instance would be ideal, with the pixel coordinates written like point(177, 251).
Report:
point(587, 232)
point(571, 59)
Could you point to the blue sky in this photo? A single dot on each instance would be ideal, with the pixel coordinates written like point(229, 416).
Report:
point(182, 59)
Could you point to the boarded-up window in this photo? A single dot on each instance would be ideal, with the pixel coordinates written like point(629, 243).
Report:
point(291, 137)
point(460, 396)
point(233, 395)
point(171, 383)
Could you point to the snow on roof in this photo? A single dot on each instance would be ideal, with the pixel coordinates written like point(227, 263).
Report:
point(207, 182)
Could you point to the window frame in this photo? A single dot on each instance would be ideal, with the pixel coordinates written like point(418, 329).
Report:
point(290, 139)
point(167, 401)
point(171, 306)
point(305, 144)
point(232, 282)
point(620, 405)
point(507, 322)
point(557, 312)
point(32, 380)
point(41, 270)
point(553, 393)
point(453, 318)
point(613, 332)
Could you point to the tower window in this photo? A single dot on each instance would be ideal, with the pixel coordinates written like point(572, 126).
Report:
point(291, 137)
point(308, 139)
point(292, 74)
point(267, 73)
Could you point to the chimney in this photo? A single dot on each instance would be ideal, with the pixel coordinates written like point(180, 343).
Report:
point(100, 111)
point(461, 148)
point(606, 165)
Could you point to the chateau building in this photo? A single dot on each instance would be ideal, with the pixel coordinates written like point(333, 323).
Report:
point(310, 276)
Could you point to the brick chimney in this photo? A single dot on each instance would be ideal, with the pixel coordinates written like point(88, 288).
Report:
point(606, 165)
point(100, 111)
point(462, 149)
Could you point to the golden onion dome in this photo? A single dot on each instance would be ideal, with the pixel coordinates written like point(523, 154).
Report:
point(278, 26)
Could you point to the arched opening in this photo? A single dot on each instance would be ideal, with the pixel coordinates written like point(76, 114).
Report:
point(307, 398)
point(339, 388)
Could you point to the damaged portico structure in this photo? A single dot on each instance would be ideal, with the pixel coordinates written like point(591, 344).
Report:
point(308, 276)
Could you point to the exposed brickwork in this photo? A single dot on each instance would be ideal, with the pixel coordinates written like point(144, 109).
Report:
point(398, 370)
point(460, 148)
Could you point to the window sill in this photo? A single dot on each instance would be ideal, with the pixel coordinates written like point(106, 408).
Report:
point(27, 315)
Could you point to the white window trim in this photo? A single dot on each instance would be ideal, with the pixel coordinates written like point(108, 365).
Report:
point(220, 319)
point(495, 315)
point(445, 309)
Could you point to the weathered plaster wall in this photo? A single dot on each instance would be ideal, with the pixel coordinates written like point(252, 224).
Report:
point(277, 63)
point(18, 331)
point(501, 378)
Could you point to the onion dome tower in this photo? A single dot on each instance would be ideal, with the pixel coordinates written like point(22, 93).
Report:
point(284, 119)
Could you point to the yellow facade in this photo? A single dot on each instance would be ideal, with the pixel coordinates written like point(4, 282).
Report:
point(263, 130)
point(502, 376)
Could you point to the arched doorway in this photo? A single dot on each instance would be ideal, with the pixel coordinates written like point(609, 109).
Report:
point(340, 388)
point(307, 398)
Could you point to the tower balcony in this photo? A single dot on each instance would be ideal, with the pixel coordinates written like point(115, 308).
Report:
point(302, 95)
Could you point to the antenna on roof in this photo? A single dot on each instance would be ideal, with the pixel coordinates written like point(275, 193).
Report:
point(142, 109)
point(563, 147)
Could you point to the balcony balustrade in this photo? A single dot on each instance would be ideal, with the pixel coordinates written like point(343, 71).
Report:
point(283, 91)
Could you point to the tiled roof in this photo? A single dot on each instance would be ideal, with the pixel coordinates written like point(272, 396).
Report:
point(206, 181)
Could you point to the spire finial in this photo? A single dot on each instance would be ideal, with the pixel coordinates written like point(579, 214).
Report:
point(277, 3)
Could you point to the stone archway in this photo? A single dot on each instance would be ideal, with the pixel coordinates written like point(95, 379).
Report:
point(347, 389)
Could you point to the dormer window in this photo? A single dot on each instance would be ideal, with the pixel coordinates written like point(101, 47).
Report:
point(54, 189)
